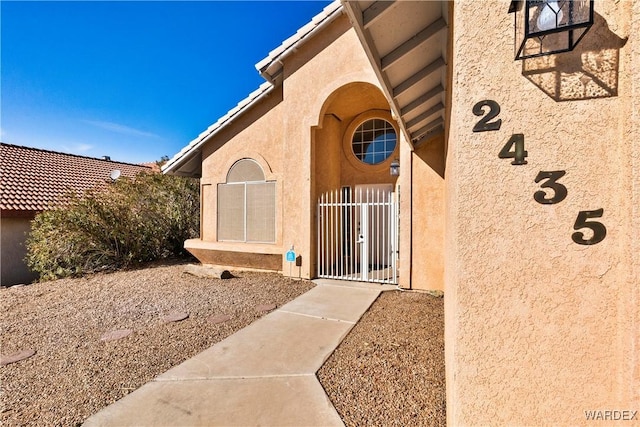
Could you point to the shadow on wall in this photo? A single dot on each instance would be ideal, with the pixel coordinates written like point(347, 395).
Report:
point(589, 71)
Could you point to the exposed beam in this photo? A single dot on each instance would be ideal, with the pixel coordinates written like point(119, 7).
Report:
point(415, 41)
point(432, 128)
point(421, 100)
point(375, 11)
point(408, 83)
point(423, 116)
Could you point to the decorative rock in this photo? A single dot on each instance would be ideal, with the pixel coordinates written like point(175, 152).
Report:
point(219, 318)
point(16, 357)
point(116, 334)
point(207, 272)
point(265, 307)
point(436, 293)
point(175, 316)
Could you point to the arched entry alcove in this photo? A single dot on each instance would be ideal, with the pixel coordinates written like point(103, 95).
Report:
point(354, 144)
point(346, 112)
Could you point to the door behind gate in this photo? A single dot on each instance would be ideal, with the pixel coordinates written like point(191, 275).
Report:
point(358, 234)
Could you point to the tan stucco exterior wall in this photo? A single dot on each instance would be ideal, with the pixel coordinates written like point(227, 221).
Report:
point(296, 135)
point(539, 329)
point(428, 194)
point(13, 234)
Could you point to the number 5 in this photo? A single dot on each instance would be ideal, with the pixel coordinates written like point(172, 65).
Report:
point(598, 228)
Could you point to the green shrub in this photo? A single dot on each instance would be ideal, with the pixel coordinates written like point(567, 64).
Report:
point(133, 221)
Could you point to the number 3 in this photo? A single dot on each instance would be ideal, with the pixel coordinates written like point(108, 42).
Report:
point(598, 228)
point(559, 190)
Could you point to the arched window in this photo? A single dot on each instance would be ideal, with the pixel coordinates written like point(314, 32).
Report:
point(374, 141)
point(247, 205)
point(245, 170)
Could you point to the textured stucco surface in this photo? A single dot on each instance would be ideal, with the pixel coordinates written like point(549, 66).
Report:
point(296, 135)
point(540, 329)
point(14, 234)
point(428, 193)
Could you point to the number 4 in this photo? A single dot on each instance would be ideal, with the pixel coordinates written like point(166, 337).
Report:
point(517, 153)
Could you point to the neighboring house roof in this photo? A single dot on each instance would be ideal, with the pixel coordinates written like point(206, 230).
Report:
point(188, 160)
point(33, 179)
point(154, 166)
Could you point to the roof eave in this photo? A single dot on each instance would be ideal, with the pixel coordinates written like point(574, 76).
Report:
point(183, 157)
point(271, 67)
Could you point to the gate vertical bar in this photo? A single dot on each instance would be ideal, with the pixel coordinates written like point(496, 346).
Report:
point(385, 239)
point(376, 247)
point(364, 251)
point(321, 232)
point(395, 225)
point(318, 251)
point(352, 259)
point(325, 231)
point(341, 235)
point(331, 263)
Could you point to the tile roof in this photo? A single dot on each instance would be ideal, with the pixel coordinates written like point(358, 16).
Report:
point(32, 179)
point(275, 57)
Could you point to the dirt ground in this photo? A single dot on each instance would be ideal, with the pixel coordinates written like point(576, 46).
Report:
point(74, 373)
point(388, 371)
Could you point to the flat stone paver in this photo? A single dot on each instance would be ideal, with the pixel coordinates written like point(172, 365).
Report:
point(16, 357)
point(116, 334)
point(263, 374)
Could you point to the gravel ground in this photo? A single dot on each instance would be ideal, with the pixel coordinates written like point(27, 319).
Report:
point(74, 373)
point(389, 371)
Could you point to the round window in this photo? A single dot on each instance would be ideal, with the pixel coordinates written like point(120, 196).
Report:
point(374, 141)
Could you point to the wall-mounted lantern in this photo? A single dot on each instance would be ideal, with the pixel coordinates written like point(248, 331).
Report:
point(546, 27)
point(394, 169)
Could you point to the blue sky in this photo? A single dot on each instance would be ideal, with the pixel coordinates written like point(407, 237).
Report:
point(132, 80)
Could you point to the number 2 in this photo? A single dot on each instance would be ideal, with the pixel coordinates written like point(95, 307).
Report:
point(485, 124)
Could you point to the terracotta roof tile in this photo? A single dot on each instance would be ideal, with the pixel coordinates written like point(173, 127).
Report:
point(32, 179)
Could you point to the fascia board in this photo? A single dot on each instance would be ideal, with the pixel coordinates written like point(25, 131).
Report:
point(327, 15)
point(192, 148)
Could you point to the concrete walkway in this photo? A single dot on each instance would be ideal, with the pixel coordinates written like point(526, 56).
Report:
point(262, 375)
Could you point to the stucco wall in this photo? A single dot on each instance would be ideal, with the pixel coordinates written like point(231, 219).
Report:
point(12, 249)
point(540, 329)
point(280, 133)
point(427, 193)
point(311, 82)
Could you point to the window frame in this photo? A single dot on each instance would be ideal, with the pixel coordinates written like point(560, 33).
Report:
point(347, 136)
point(387, 126)
point(245, 223)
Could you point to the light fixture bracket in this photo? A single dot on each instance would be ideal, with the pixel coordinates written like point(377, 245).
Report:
point(394, 168)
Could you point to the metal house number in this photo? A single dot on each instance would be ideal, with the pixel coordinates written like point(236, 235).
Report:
point(556, 192)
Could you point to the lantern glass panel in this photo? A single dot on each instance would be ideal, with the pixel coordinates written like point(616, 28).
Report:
point(544, 27)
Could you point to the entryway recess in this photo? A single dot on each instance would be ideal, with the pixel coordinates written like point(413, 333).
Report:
point(358, 234)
